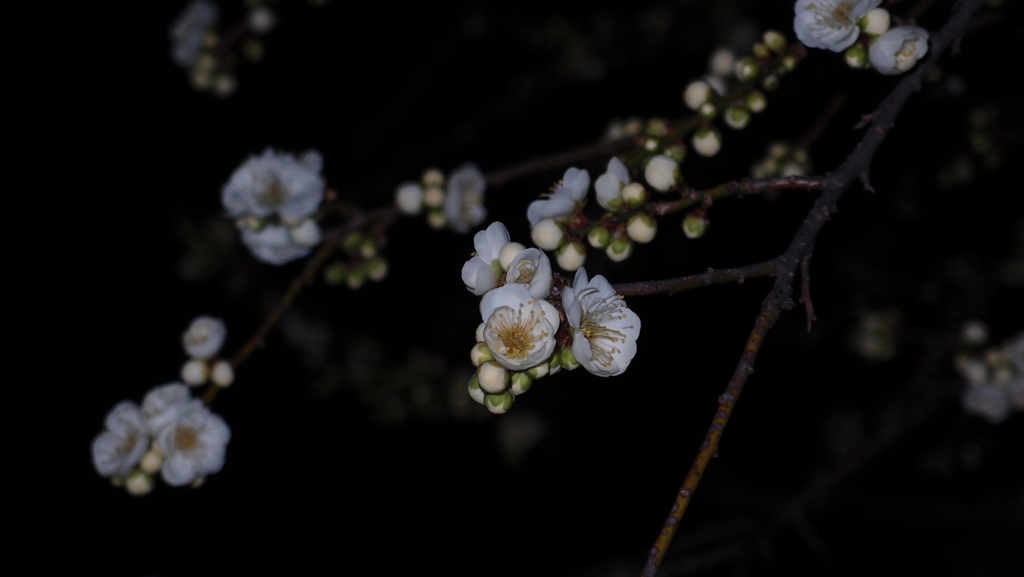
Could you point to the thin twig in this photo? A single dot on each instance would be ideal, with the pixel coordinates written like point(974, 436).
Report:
point(802, 244)
point(738, 188)
point(712, 276)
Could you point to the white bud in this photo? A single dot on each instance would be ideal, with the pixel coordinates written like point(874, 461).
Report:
point(662, 172)
point(493, 377)
point(307, 233)
point(634, 194)
point(222, 374)
point(521, 382)
point(433, 197)
point(538, 372)
point(571, 255)
point(480, 353)
point(508, 254)
point(746, 68)
point(792, 169)
point(736, 117)
point(620, 249)
point(377, 269)
point(876, 21)
point(152, 461)
point(499, 404)
point(194, 372)
point(696, 94)
point(756, 101)
point(974, 333)
point(436, 219)
point(409, 198)
point(695, 225)
point(599, 237)
point(432, 177)
point(707, 141)
point(856, 57)
point(774, 40)
point(642, 228)
point(722, 62)
point(261, 20)
point(546, 234)
point(475, 392)
point(139, 484)
point(480, 332)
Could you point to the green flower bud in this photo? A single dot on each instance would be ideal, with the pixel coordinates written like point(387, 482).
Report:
point(377, 268)
point(475, 392)
point(707, 141)
point(554, 364)
point(521, 382)
point(499, 403)
point(856, 57)
point(353, 242)
point(789, 62)
point(747, 68)
point(775, 40)
point(480, 353)
point(676, 151)
point(539, 371)
point(761, 51)
point(620, 249)
point(599, 237)
point(334, 273)
point(356, 278)
point(707, 111)
point(567, 360)
point(695, 224)
point(432, 178)
point(770, 82)
point(368, 249)
point(756, 101)
point(436, 219)
point(633, 194)
point(736, 117)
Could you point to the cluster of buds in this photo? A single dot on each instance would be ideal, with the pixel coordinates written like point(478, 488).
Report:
point(202, 342)
point(994, 375)
point(364, 262)
point(457, 203)
point(782, 159)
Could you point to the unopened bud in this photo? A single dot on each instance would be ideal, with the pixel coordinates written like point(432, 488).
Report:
point(493, 377)
point(521, 382)
point(539, 371)
point(642, 228)
point(756, 101)
point(770, 82)
point(508, 253)
point(377, 268)
point(475, 392)
point(480, 332)
point(856, 57)
point(695, 225)
point(662, 172)
point(547, 235)
point(222, 374)
point(747, 68)
point(599, 237)
point(775, 40)
point(634, 194)
point(151, 461)
point(432, 178)
point(620, 249)
point(433, 197)
point(480, 354)
point(571, 255)
point(676, 151)
point(736, 117)
point(554, 364)
point(368, 249)
point(436, 219)
point(409, 198)
point(761, 51)
point(567, 360)
point(789, 62)
point(194, 372)
point(707, 111)
point(696, 94)
point(139, 483)
point(722, 62)
point(355, 278)
point(707, 141)
point(875, 22)
point(499, 404)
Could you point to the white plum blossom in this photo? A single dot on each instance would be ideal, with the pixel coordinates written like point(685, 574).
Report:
point(604, 341)
point(662, 172)
point(278, 244)
point(987, 401)
point(610, 184)
point(532, 269)
point(830, 24)
point(464, 203)
point(162, 404)
point(518, 328)
point(482, 272)
point(193, 444)
point(119, 448)
point(189, 29)
point(204, 337)
point(409, 198)
point(275, 183)
point(563, 200)
point(898, 50)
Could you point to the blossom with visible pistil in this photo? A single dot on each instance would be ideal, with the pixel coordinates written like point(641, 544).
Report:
point(120, 447)
point(605, 329)
point(830, 24)
point(518, 328)
point(193, 443)
point(563, 200)
point(898, 50)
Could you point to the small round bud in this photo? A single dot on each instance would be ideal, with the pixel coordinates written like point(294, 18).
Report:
point(696, 94)
point(475, 392)
point(676, 151)
point(539, 371)
point(261, 20)
point(368, 249)
point(657, 127)
point(695, 225)
point(480, 353)
point(599, 237)
point(436, 219)
point(761, 51)
point(746, 69)
point(480, 332)
point(634, 194)
point(334, 273)
point(736, 117)
point(432, 178)
point(875, 22)
point(707, 141)
point(756, 101)
point(499, 404)
point(774, 40)
point(307, 233)
point(856, 57)
point(792, 169)
point(353, 242)
point(547, 235)
point(355, 278)
point(493, 377)
point(722, 62)
point(554, 364)
point(222, 374)
point(707, 111)
point(662, 172)
point(567, 360)
point(194, 372)
point(224, 85)
point(521, 382)
point(377, 268)
point(642, 228)
point(152, 461)
point(139, 484)
point(789, 62)
point(974, 333)
point(770, 82)
point(204, 337)
point(620, 249)
point(409, 198)
point(508, 253)
point(571, 255)
point(433, 197)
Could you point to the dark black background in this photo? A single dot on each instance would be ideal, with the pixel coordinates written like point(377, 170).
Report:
point(315, 483)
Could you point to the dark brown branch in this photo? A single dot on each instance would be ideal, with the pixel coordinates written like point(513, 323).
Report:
point(712, 276)
point(569, 157)
point(738, 188)
point(801, 246)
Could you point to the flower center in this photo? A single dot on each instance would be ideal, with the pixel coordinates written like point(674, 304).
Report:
point(905, 53)
point(128, 444)
point(185, 438)
point(594, 327)
point(517, 333)
point(274, 194)
point(526, 271)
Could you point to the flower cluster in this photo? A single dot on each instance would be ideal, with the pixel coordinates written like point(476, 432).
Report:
point(273, 198)
point(837, 25)
point(457, 203)
point(171, 433)
point(995, 376)
point(517, 342)
point(202, 342)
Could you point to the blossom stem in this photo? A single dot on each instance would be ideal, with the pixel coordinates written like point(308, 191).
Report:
point(801, 246)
